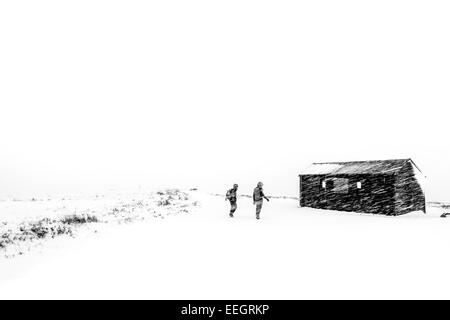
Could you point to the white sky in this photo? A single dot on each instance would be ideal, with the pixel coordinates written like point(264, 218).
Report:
point(97, 94)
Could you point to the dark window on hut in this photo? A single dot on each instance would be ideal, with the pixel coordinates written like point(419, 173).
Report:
point(341, 185)
point(336, 185)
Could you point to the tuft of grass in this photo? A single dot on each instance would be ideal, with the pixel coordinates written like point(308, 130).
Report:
point(164, 202)
point(75, 219)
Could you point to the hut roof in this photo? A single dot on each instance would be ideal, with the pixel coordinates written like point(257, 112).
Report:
point(357, 167)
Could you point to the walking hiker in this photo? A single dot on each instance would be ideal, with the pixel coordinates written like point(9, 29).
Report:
point(258, 196)
point(232, 197)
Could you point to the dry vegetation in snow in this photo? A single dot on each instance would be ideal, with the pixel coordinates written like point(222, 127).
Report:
point(21, 234)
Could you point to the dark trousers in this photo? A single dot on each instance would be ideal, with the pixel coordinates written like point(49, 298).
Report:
point(233, 206)
point(258, 207)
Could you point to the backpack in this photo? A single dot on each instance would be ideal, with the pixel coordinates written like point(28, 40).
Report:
point(231, 195)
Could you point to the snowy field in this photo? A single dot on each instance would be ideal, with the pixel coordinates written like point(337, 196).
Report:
point(191, 249)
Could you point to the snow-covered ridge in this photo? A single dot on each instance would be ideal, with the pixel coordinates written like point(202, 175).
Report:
point(441, 205)
point(433, 204)
point(249, 196)
point(27, 224)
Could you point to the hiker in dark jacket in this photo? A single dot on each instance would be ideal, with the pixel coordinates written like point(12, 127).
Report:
point(232, 197)
point(258, 196)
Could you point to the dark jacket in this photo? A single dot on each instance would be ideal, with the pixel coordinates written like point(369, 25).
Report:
point(258, 194)
point(231, 195)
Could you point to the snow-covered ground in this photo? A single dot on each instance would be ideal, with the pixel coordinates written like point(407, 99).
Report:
point(28, 224)
point(201, 253)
